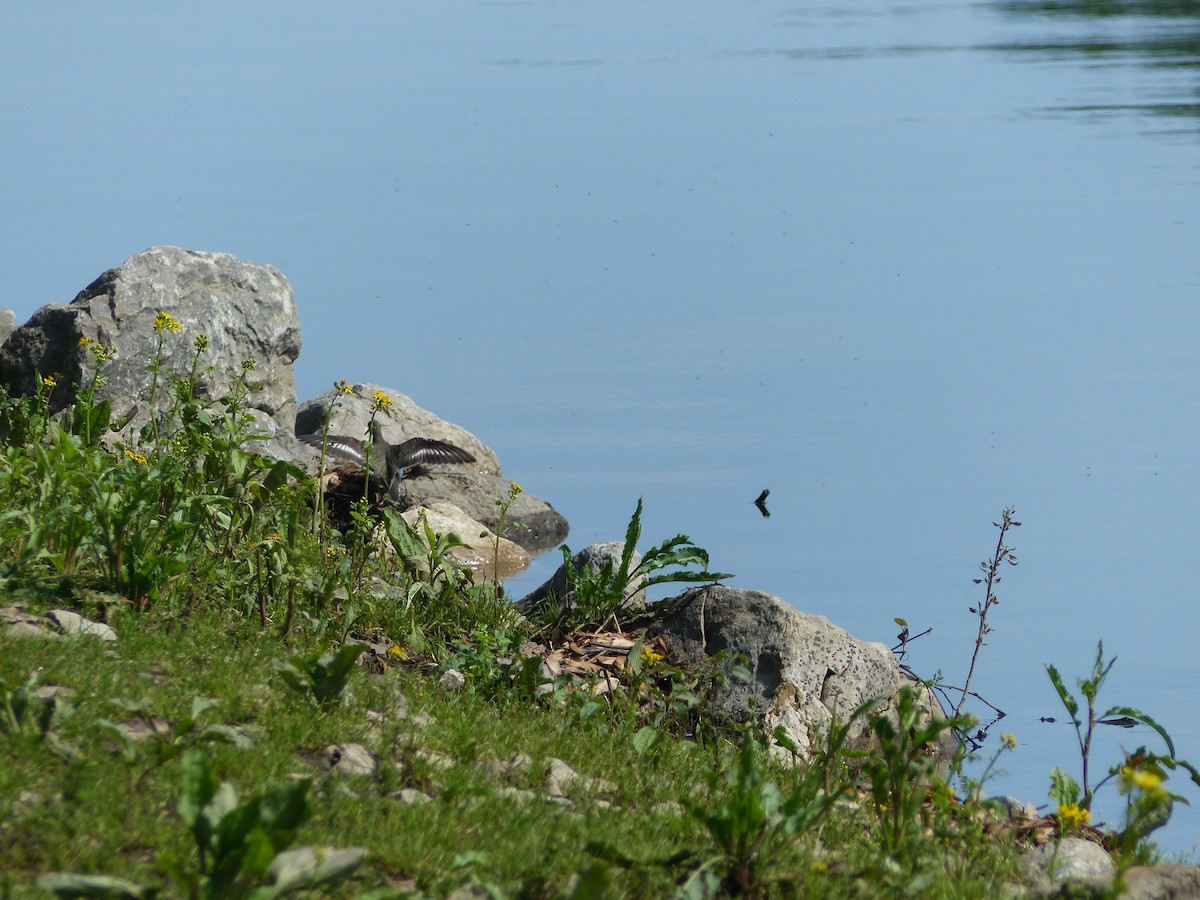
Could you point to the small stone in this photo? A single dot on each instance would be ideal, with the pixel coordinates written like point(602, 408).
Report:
point(350, 759)
point(452, 680)
point(72, 623)
point(411, 797)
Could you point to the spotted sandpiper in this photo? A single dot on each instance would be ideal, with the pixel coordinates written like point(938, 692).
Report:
point(390, 463)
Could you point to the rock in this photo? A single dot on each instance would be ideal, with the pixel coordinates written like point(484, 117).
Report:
point(77, 884)
point(18, 623)
point(1167, 881)
point(305, 867)
point(412, 797)
point(452, 680)
point(350, 759)
point(72, 623)
point(1069, 859)
point(595, 556)
point(480, 553)
point(530, 521)
point(804, 670)
point(8, 324)
point(244, 310)
point(563, 781)
point(475, 488)
point(397, 424)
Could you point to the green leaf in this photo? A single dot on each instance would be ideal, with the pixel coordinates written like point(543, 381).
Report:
point(1064, 789)
point(199, 787)
point(645, 740)
point(1067, 698)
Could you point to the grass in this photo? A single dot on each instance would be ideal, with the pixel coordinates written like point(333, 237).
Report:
point(105, 811)
point(189, 757)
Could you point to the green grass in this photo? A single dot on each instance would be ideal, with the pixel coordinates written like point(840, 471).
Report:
point(104, 813)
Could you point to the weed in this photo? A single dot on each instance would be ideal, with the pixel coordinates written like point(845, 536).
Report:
point(601, 592)
point(1140, 778)
point(321, 678)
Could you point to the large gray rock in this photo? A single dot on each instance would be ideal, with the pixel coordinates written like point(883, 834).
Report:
point(562, 590)
point(244, 310)
point(804, 669)
point(476, 488)
point(1068, 859)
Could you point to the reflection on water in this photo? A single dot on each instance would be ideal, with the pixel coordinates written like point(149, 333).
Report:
point(1153, 35)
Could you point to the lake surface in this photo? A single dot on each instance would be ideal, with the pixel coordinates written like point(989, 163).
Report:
point(903, 263)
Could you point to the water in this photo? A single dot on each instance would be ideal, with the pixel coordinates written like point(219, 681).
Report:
point(902, 263)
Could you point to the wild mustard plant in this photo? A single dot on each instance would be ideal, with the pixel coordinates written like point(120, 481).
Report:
point(505, 504)
point(1140, 778)
point(903, 774)
point(164, 323)
point(380, 402)
point(991, 577)
point(1008, 744)
point(320, 523)
point(89, 419)
point(753, 827)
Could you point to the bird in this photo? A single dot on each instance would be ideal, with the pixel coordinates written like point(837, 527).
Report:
point(392, 463)
point(761, 503)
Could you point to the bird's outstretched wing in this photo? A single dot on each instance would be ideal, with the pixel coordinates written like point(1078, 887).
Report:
point(417, 451)
point(339, 449)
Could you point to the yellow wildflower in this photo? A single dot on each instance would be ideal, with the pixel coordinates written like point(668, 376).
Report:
point(382, 401)
point(342, 387)
point(275, 537)
point(650, 658)
point(164, 321)
point(1073, 816)
point(1148, 780)
point(84, 341)
point(397, 652)
point(50, 381)
point(1008, 741)
point(137, 457)
point(103, 354)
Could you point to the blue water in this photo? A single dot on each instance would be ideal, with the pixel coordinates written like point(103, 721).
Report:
point(902, 263)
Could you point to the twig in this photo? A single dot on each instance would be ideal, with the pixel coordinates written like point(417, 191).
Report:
point(991, 572)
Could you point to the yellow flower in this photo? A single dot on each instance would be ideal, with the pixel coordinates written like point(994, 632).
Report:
point(1073, 816)
point(1132, 778)
point(84, 341)
point(650, 657)
point(342, 387)
point(1008, 741)
point(164, 321)
point(136, 457)
point(397, 652)
point(103, 354)
point(515, 489)
point(50, 381)
point(382, 401)
point(275, 537)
